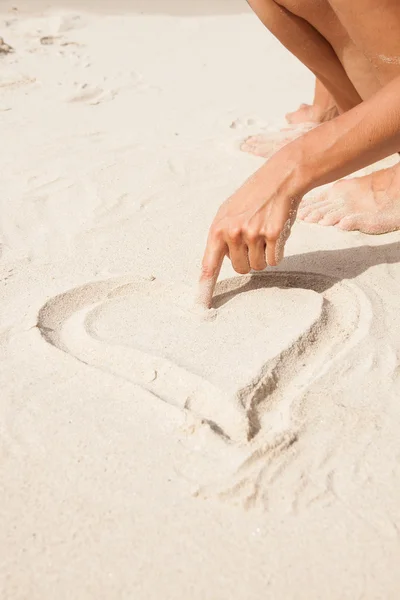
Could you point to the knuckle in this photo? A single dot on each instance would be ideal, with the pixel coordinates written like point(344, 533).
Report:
point(252, 234)
point(272, 232)
point(263, 232)
point(207, 272)
point(216, 231)
point(234, 234)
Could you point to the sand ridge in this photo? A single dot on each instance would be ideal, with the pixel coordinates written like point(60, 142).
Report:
point(141, 331)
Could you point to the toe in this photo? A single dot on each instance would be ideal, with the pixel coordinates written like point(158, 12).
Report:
point(262, 151)
point(247, 143)
point(314, 216)
point(350, 222)
point(245, 147)
point(256, 140)
point(251, 140)
point(259, 145)
point(248, 146)
point(299, 116)
point(331, 218)
point(323, 207)
point(302, 213)
point(313, 199)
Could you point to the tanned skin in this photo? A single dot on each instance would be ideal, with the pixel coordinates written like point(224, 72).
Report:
point(353, 49)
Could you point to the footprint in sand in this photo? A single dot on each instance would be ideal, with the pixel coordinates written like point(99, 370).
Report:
point(92, 95)
point(244, 123)
point(228, 366)
point(48, 40)
point(66, 22)
point(52, 26)
point(268, 142)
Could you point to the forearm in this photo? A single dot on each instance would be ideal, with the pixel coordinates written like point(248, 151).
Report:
point(351, 141)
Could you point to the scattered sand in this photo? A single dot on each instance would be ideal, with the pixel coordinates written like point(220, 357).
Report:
point(147, 449)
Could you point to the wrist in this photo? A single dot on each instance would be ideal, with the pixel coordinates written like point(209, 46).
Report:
point(312, 159)
point(289, 169)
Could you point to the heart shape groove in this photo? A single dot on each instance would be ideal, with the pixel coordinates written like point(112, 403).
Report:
point(268, 337)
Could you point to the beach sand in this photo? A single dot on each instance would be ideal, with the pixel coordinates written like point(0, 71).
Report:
point(149, 450)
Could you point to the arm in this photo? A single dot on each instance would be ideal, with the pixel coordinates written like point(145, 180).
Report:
point(363, 135)
point(253, 225)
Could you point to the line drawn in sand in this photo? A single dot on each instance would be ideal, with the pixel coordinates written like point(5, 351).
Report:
point(251, 402)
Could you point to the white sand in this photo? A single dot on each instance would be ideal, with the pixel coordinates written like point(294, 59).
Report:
point(148, 451)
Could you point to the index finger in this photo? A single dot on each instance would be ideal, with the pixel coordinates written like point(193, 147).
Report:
point(211, 266)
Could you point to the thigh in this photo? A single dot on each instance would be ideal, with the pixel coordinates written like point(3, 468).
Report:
point(374, 27)
point(304, 41)
point(321, 14)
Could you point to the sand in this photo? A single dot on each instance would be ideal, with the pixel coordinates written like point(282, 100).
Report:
point(150, 450)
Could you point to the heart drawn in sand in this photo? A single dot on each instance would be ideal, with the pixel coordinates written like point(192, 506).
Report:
point(266, 334)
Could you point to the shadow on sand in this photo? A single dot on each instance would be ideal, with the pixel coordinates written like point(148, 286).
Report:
point(316, 271)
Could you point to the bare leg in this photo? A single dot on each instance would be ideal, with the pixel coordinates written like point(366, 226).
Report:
point(371, 203)
point(334, 92)
point(321, 110)
point(365, 42)
point(306, 42)
point(253, 225)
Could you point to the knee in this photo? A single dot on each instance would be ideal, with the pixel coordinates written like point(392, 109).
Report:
point(271, 10)
point(271, 13)
point(305, 9)
point(261, 6)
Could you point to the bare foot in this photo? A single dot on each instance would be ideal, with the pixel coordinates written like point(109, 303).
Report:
point(370, 204)
point(266, 144)
point(312, 113)
point(321, 110)
point(302, 120)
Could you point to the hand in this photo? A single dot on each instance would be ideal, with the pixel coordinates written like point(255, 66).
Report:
point(252, 226)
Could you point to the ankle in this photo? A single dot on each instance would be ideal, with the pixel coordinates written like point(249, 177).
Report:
point(323, 113)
